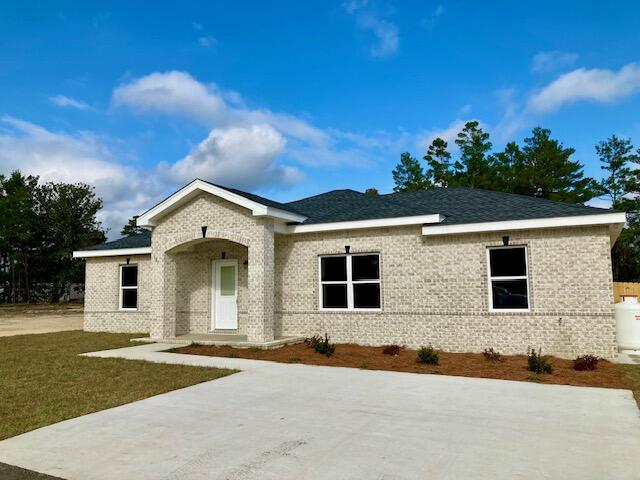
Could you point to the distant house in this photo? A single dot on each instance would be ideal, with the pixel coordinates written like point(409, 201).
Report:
point(458, 268)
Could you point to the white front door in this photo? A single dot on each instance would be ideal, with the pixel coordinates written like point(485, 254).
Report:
point(224, 299)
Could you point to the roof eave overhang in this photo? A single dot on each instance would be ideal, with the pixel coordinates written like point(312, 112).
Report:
point(112, 252)
point(182, 196)
point(360, 224)
point(615, 220)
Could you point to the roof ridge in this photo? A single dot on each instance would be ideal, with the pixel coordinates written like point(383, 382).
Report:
point(326, 193)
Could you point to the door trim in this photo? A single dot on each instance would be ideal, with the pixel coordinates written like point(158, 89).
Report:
point(214, 273)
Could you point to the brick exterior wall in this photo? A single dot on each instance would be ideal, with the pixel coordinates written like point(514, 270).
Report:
point(102, 296)
point(434, 290)
point(178, 250)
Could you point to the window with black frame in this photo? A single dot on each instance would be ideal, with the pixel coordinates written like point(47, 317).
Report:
point(128, 287)
point(350, 281)
point(508, 278)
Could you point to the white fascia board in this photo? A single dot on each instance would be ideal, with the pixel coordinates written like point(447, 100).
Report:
point(148, 219)
point(359, 224)
point(554, 222)
point(113, 252)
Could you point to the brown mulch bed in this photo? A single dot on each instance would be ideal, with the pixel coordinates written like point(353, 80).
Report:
point(513, 367)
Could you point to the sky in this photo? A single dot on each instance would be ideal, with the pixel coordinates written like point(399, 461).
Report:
point(291, 99)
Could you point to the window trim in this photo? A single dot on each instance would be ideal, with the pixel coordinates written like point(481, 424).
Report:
point(348, 282)
point(525, 277)
point(121, 287)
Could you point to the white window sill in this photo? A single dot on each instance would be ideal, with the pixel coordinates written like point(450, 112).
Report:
point(509, 310)
point(128, 309)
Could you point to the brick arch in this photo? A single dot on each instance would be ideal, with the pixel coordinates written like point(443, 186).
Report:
point(212, 234)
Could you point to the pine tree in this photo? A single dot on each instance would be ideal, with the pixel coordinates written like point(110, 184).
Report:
point(409, 175)
point(439, 161)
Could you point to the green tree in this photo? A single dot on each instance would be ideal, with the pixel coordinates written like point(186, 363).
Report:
point(439, 163)
point(409, 175)
point(475, 167)
point(507, 167)
point(18, 224)
point(616, 155)
point(372, 192)
point(131, 228)
point(545, 169)
point(67, 213)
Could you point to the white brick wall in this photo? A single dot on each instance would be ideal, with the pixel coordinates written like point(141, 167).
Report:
point(434, 289)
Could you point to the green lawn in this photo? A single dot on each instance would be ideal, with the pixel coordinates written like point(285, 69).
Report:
point(632, 373)
point(44, 381)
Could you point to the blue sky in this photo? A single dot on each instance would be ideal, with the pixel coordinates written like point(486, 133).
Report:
point(289, 99)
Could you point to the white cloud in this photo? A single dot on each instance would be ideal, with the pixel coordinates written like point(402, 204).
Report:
point(68, 102)
point(549, 61)
point(245, 157)
point(449, 134)
point(178, 93)
point(197, 26)
point(79, 157)
point(207, 41)
point(598, 85)
point(368, 19)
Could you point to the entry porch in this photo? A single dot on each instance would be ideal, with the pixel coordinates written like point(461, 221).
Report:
point(214, 290)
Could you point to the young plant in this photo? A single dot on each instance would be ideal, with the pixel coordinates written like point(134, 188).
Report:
point(586, 362)
point(538, 363)
point(491, 355)
point(321, 345)
point(391, 350)
point(428, 355)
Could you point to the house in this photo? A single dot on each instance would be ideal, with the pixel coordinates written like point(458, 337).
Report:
point(461, 269)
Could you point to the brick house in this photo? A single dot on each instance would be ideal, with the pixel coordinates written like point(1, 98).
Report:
point(458, 268)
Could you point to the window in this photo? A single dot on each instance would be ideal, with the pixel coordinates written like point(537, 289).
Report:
point(508, 282)
point(128, 287)
point(350, 281)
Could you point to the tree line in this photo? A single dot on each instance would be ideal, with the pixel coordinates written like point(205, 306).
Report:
point(542, 167)
point(40, 226)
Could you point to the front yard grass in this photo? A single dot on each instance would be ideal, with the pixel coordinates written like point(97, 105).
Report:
point(44, 381)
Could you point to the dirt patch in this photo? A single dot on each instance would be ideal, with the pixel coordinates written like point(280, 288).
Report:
point(36, 309)
point(513, 367)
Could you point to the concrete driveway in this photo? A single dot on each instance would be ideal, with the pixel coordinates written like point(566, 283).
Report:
point(276, 421)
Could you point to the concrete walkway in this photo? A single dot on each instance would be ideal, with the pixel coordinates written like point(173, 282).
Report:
point(278, 421)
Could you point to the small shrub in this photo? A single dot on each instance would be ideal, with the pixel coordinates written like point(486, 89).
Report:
point(538, 363)
point(586, 362)
point(428, 355)
point(293, 359)
point(363, 365)
point(491, 355)
point(321, 345)
point(391, 350)
point(232, 355)
point(255, 349)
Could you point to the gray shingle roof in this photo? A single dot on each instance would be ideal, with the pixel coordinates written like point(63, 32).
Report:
point(138, 240)
point(458, 205)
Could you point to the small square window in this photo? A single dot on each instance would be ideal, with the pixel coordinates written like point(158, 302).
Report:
point(334, 295)
point(334, 269)
point(365, 267)
point(130, 298)
point(366, 295)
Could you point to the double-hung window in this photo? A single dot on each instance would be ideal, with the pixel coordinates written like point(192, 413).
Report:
point(508, 278)
point(128, 287)
point(350, 281)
